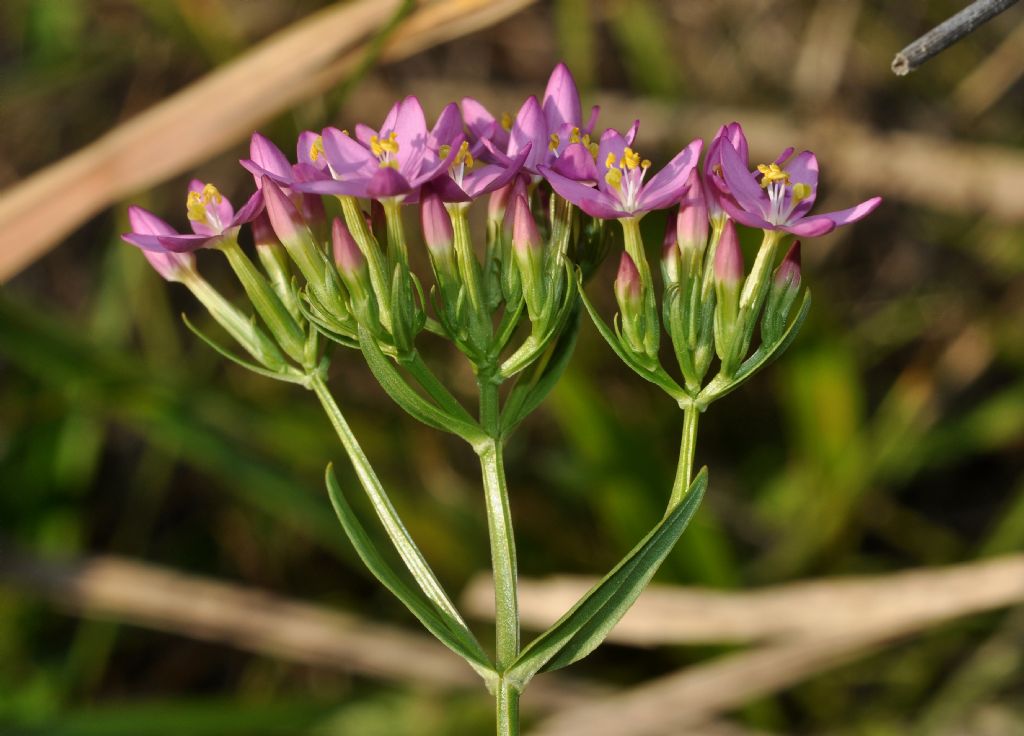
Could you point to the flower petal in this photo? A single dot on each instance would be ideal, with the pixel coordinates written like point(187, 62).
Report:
point(304, 150)
point(185, 243)
point(741, 183)
point(250, 210)
point(410, 127)
point(803, 169)
point(144, 222)
point(592, 201)
point(482, 124)
point(387, 182)
point(530, 127)
point(849, 215)
point(575, 162)
point(667, 186)
point(269, 157)
point(448, 125)
point(742, 216)
point(810, 227)
point(346, 157)
point(562, 99)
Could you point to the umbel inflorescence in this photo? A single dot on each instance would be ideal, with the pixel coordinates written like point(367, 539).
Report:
point(510, 303)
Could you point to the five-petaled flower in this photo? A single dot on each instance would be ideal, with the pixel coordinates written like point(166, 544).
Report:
point(779, 196)
point(621, 191)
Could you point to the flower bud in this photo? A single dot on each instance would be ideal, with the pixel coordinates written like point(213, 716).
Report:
point(291, 229)
point(783, 292)
point(728, 273)
point(347, 256)
point(529, 253)
point(498, 202)
point(729, 258)
point(437, 225)
point(629, 295)
point(670, 259)
point(692, 225)
point(275, 261)
point(171, 266)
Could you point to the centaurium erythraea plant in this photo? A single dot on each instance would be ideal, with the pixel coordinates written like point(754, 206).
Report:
point(510, 305)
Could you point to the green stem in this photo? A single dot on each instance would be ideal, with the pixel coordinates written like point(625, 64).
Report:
point(379, 280)
point(507, 710)
point(434, 388)
point(469, 268)
point(398, 250)
point(499, 526)
point(407, 549)
point(265, 300)
point(687, 446)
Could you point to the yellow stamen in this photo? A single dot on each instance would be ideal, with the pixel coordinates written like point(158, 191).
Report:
point(506, 121)
point(801, 191)
point(381, 146)
point(195, 207)
point(463, 156)
point(554, 142)
point(609, 162)
point(772, 173)
point(645, 164)
point(614, 178)
point(630, 158)
point(574, 136)
point(444, 150)
point(594, 149)
point(317, 149)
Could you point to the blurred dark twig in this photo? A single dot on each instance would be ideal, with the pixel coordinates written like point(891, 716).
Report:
point(947, 33)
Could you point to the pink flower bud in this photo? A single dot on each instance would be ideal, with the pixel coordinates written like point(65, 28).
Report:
point(498, 201)
point(525, 236)
point(262, 232)
point(437, 225)
point(787, 275)
point(346, 252)
point(670, 259)
point(729, 257)
point(627, 284)
point(692, 222)
point(284, 217)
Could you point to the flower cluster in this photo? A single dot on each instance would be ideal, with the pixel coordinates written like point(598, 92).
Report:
point(552, 181)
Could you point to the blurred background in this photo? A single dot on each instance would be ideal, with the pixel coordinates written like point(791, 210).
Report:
point(890, 437)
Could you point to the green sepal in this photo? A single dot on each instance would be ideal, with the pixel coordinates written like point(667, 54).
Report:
point(658, 377)
point(326, 324)
point(719, 386)
point(451, 632)
point(587, 623)
point(291, 376)
point(536, 383)
point(406, 397)
point(536, 344)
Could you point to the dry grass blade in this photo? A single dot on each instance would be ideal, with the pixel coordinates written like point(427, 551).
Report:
point(141, 594)
point(674, 615)
point(215, 112)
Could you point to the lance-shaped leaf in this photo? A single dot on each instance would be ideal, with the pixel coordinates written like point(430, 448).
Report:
point(658, 377)
point(450, 631)
point(289, 375)
point(587, 624)
point(719, 386)
point(407, 398)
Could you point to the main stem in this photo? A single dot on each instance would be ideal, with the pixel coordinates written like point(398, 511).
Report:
point(503, 555)
point(687, 446)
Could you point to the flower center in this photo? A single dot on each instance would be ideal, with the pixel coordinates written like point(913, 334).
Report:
point(385, 149)
point(771, 173)
point(198, 206)
point(626, 175)
point(462, 162)
point(776, 182)
point(575, 137)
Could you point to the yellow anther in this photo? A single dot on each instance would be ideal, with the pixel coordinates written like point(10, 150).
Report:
point(614, 178)
point(594, 149)
point(801, 191)
point(609, 161)
point(464, 156)
point(585, 140)
point(506, 121)
point(645, 164)
point(630, 159)
point(443, 150)
point(554, 141)
point(212, 194)
point(381, 146)
point(771, 173)
point(195, 207)
point(317, 149)
point(574, 136)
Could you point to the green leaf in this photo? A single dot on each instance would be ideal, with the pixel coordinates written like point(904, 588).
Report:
point(720, 386)
point(407, 398)
point(450, 631)
point(533, 386)
point(658, 378)
point(290, 377)
point(587, 624)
